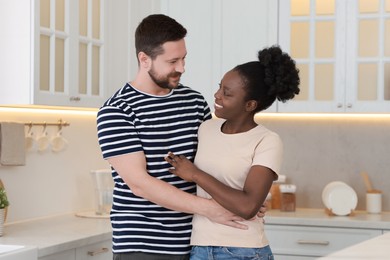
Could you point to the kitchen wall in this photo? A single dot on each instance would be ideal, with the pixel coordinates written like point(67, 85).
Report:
point(318, 150)
point(321, 149)
point(53, 183)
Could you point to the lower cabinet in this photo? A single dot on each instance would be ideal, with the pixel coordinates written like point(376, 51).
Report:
point(64, 255)
point(308, 242)
point(96, 251)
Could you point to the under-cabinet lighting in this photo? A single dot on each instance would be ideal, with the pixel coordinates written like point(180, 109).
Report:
point(324, 115)
point(93, 111)
point(51, 110)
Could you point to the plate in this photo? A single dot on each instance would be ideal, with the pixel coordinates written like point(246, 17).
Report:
point(339, 198)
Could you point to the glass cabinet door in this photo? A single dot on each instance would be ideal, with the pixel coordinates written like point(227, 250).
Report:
point(70, 52)
point(341, 51)
point(53, 46)
point(368, 56)
point(90, 48)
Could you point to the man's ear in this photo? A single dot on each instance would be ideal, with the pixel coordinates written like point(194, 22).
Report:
point(251, 105)
point(144, 60)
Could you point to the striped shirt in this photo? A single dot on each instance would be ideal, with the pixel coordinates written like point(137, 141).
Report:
point(132, 121)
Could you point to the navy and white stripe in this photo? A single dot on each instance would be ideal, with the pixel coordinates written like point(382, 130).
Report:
point(132, 121)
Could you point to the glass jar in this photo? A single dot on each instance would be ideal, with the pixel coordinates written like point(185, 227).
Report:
point(275, 192)
point(287, 197)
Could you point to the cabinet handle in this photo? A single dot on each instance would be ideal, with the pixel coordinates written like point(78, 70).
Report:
point(339, 105)
point(349, 105)
point(97, 252)
point(76, 99)
point(313, 242)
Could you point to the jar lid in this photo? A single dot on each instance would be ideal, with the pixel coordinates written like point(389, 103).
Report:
point(281, 179)
point(287, 188)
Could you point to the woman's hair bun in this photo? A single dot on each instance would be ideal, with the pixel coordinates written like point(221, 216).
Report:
point(280, 73)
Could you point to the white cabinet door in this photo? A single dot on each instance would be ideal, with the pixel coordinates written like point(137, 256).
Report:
point(97, 251)
point(342, 52)
point(62, 53)
point(64, 255)
point(221, 35)
point(314, 241)
point(69, 52)
point(15, 52)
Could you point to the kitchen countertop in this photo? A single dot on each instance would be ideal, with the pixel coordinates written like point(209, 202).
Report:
point(319, 217)
point(58, 233)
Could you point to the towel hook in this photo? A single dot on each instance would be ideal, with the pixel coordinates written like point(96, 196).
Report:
point(30, 125)
point(44, 127)
point(60, 124)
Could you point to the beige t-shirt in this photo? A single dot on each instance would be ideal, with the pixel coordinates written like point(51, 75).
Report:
point(228, 157)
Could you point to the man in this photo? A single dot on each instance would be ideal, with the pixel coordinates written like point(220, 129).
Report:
point(137, 127)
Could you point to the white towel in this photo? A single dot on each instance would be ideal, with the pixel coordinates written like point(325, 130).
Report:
point(12, 144)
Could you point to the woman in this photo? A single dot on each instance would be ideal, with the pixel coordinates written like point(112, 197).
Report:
point(237, 159)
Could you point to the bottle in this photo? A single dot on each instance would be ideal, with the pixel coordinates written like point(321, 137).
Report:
point(287, 194)
point(275, 192)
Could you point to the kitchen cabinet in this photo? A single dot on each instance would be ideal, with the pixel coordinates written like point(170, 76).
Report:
point(53, 66)
point(62, 53)
point(310, 242)
point(95, 251)
point(342, 50)
point(375, 248)
point(311, 233)
point(64, 255)
point(63, 237)
point(70, 52)
point(222, 34)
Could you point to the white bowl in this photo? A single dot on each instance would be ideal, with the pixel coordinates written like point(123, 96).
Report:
point(339, 198)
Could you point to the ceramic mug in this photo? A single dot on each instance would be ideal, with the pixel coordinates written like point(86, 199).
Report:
point(374, 202)
point(30, 141)
point(43, 141)
point(58, 142)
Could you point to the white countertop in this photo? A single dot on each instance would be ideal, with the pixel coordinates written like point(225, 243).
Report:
point(318, 217)
point(55, 234)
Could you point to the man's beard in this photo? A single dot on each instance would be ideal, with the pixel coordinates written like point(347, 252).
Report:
point(163, 82)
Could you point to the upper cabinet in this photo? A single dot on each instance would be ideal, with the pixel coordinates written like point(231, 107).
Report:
point(222, 34)
point(57, 51)
point(70, 52)
point(342, 48)
point(78, 52)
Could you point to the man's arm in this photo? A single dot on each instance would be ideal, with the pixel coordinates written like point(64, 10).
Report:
point(132, 169)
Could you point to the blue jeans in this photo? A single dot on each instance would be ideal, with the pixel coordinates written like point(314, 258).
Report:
point(230, 253)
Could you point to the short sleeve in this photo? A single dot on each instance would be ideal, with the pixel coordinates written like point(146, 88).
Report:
point(116, 132)
point(269, 152)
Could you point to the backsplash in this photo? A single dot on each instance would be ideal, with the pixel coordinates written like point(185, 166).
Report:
point(317, 151)
point(320, 150)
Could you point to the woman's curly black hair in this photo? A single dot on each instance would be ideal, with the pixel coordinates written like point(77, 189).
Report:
point(274, 76)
